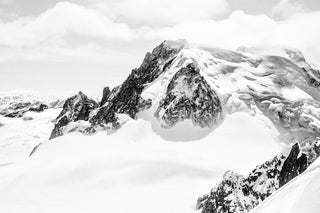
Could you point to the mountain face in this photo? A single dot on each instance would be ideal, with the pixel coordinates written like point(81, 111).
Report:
point(179, 82)
point(189, 96)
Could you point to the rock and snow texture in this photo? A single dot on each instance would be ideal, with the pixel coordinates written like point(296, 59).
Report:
point(16, 105)
point(227, 108)
point(189, 96)
point(75, 108)
point(300, 195)
point(236, 193)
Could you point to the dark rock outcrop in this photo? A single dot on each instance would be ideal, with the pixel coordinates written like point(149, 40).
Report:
point(189, 96)
point(236, 193)
point(294, 165)
point(39, 108)
point(75, 108)
point(105, 95)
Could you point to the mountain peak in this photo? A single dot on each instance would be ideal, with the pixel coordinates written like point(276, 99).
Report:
point(178, 81)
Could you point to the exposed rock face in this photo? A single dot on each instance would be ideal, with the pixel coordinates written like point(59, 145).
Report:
point(39, 108)
point(105, 95)
point(236, 193)
point(76, 108)
point(293, 165)
point(126, 98)
point(189, 96)
point(227, 197)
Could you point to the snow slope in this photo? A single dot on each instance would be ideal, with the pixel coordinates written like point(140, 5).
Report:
point(18, 136)
point(300, 195)
point(133, 169)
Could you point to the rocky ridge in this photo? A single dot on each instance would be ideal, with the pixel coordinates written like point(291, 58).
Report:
point(237, 193)
point(123, 99)
point(75, 108)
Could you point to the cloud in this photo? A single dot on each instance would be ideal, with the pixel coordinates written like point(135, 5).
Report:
point(71, 31)
point(59, 22)
point(300, 31)
point(5, 2)
point(161, 12)
point(285, 8)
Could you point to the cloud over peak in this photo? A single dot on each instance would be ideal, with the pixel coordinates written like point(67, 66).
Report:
point(161, 12)
point(70, 29)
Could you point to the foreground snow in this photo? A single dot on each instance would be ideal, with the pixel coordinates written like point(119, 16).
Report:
point(18, 136)
point(132, 170)
point(300, 195)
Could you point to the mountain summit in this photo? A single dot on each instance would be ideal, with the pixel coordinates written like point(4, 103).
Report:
point(180, 82)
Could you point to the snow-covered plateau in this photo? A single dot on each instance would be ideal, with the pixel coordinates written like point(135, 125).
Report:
point(193, 129)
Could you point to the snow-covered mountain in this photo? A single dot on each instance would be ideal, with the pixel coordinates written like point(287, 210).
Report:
point(244, 111)
point(180, 81)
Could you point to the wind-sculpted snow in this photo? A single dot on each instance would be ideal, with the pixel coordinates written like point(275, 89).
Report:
point(297, 120)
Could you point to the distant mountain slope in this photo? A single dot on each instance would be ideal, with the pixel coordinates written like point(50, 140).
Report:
point(14, 105)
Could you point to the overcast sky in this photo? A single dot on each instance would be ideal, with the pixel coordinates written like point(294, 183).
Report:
point(56, 46)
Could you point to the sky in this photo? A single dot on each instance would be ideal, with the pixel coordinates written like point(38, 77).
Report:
point(56, 47)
